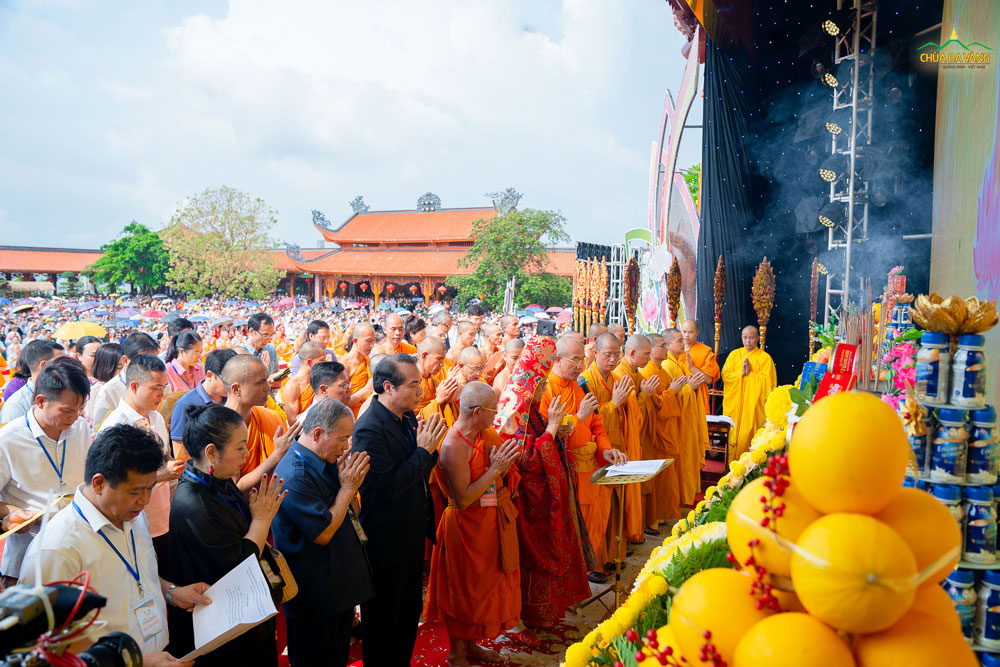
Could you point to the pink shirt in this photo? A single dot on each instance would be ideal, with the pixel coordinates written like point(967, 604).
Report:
point(184, 380)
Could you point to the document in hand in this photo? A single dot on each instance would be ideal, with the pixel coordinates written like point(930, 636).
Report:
point(649, 467)
point(240, 601)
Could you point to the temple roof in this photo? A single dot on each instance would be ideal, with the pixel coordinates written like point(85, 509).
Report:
point(449, 224)
point(412, 262)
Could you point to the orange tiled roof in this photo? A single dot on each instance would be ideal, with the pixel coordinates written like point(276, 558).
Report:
point(25, 259)
point(416, 262)
point(449, 224)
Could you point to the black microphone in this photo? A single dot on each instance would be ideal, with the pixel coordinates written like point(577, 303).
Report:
point(582, 382)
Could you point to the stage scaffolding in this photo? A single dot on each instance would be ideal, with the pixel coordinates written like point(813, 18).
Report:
point(855, 46)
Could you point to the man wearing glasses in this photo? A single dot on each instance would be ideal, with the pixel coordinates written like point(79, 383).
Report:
point(261, 329)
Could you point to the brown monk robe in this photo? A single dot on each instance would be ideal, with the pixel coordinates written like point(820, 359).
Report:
point(511, 351)
point(666, 436)
point(701, 360)
point(394, 343)
point(475, 584)
point(356, 364)
point(640, 419)
point(612, 396)
point(492, 350)
point(587, 442)
point(430, 358)
point(693, 427)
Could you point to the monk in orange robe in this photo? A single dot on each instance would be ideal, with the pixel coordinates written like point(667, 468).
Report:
point(394, 343)
point(475, 581)
point(357, 366)
point(446, 403)
point(638, 426)
point(511, 352)
point(588, 442)
point(492, 350)
point(693, 426)
point(593, 333)
point(665, 433)
point(267, 438)
point(297, 394)
point(466, 338)
point(701, 360)
point(430, 358)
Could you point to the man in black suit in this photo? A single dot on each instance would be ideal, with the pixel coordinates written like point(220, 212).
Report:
point(396, 510)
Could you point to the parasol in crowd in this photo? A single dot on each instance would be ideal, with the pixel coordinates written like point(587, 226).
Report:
point(554, 309)
point(160, 296)
point(221, 322)
point(542, 315)
point(89, 305)
point(384, 306)
point(96, 313)
point(534, 305)
point(127, 312)
point(565, 317)
point(241, 323)
point(535, 309)
point(527, 320)
point(283, 303)
point(47, 313)
point(191, 302)
point(230, 303)
point(4, 300)
point(251, 304)
point(199, 318)
point(171, 316)
point(152, 314)
point(79, 329)
point(23, 307)
point(106, 302)
point(128, 304)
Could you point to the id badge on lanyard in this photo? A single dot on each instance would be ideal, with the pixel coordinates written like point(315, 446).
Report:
point(489, 497)
point(147, 617)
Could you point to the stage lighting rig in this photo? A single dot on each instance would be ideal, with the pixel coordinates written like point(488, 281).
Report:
point(829, 80)
point(833, 168)
point(838, 22)
point(832, 214)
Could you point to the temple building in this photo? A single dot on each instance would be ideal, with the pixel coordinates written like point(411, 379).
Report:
point(406, 254)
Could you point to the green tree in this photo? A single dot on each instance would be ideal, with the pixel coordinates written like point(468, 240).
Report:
point(514, 244)
point(545, 289)
point(692, 177)
point(136, 257)
point(220, 244)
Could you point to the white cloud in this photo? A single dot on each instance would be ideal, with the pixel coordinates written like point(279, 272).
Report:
point(307, 103)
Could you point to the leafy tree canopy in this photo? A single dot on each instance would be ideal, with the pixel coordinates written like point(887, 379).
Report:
point(219, 244)
point(136, 257)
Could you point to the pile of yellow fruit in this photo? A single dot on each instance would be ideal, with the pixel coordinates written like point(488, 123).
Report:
point(841, 564)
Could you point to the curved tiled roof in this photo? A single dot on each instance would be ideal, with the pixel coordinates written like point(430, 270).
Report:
point(449, 224)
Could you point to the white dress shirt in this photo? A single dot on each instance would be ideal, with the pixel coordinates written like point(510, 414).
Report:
point(158, 508)
point(108, 398)
point(18, 404)
point(27, 475)
point(72, 544)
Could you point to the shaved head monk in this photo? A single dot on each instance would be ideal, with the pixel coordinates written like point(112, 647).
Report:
point(475, 584)
point(492, 350)
point(466, 338)
point(664, 504)
point(394, 343)
point(511, 351)
point(247, 391)
point(619, 333)
point(430, 358)
point(692, 425)
point(297, 394)
point(357, 365)
point(510, 327)
point(588, 442)
point(701, 361)
point(748, 376)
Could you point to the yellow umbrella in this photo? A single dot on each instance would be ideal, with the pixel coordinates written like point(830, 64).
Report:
point(79, 329)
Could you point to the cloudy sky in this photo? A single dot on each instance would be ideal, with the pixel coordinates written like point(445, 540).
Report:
point(114, 111)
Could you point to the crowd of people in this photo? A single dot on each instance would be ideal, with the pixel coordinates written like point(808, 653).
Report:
point(371, 451)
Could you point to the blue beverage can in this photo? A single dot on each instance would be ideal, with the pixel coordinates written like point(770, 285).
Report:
point(949, 447)
point(968, 372)
point(932, 368)
point(987, 625)
point(984, 451)
point(980, 526)
point(960, 587)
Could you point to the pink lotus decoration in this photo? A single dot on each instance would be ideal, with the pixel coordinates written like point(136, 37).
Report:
point(650, 308)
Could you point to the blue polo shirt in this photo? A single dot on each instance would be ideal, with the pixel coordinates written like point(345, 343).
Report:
point(197, 396)
point(334, 578)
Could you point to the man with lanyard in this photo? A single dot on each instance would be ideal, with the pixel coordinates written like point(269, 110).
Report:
point(105, 532)
point(260, 329)
point(210, 390)
point(42, 451)
point(35, 355)
point(111, 394)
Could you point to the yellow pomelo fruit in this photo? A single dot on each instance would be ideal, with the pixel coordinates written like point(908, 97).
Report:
point(743, 525)
point(665, 637)
point(792, 640)
point(928, 528)
point(916, 640)
point(934, 601)
point(854, 572)
point(718, 600)
point(787, 600)
point(848, 454)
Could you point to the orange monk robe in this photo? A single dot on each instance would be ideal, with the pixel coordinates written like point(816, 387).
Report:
point(429, 387)
point(306, 396)
point(587, 443)
point(492, 367)
point(362, 376)
point(704, 359)
point(666, 445)
point(693, 432)
point(633, 416)
point(743, 396)
point(260, 437)
point(475, 580)
point(446, 366)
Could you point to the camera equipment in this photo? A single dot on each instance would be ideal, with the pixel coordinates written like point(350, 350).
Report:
point(545, 328)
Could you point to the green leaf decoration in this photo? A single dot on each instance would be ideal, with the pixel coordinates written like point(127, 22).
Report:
point(626, 651)
point(683, 566)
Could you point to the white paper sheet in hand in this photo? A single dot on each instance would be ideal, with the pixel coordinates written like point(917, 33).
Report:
point(635, 468)
point(240, 601)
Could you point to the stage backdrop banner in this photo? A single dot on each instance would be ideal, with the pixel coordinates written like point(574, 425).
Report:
point(965, 250)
